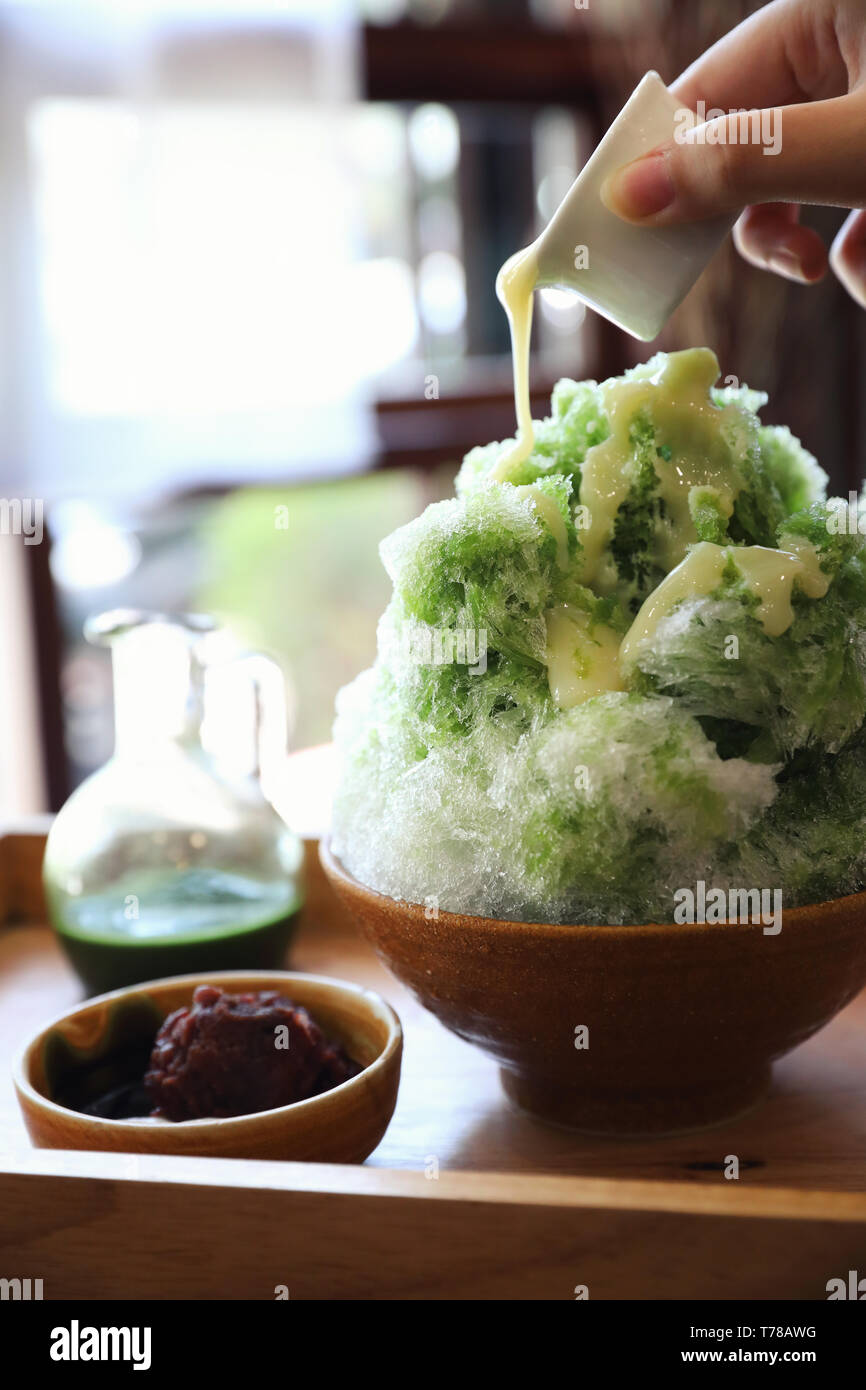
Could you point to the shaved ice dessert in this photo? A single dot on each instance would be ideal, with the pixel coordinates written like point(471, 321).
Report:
point(635, 663)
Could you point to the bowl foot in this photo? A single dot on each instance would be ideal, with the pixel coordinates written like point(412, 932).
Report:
point(635, 1113)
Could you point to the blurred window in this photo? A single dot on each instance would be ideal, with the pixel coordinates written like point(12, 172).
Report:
point(221, 269)
point(200, 259)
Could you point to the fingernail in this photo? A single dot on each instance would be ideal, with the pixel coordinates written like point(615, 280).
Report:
point(639, 189)
point(787, 264)
point(857, 289)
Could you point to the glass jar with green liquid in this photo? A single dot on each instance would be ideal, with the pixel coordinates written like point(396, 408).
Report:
point(170, 859)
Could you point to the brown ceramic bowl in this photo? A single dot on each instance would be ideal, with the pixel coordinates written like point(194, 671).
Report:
point(343, 1125)
point(683, 1022)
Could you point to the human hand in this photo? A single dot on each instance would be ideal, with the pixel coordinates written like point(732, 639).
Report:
point(804, 62)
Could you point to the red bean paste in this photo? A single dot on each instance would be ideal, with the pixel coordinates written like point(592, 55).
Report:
point(236, 1054)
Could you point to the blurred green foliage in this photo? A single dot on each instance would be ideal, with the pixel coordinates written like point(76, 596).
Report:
point(295, 571)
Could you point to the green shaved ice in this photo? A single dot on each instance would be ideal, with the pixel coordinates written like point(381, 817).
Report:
point(633, 791)
point(486, 562)
point(708, 515)
point(803, 688)
point(811, 840)
point(799, 477)
point(752, 401)
point(577, 422)
point(627, 788)
point(758, 509)
point(807, 686)
point(816, 524)
point(472, 780)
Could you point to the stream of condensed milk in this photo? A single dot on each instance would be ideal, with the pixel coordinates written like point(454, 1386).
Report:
point(515, 285)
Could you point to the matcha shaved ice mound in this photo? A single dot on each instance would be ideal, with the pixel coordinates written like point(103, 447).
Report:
point(637, 663)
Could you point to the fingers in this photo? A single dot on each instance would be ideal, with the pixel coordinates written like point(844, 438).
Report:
point(753, 65)
point(770, 237)
point(811, 153)
point(848, 256)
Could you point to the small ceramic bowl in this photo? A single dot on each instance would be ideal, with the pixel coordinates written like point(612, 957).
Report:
point(629, 1029)
point(342, 1125)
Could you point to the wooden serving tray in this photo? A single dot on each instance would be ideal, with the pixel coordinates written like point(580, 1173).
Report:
point(464, 1198)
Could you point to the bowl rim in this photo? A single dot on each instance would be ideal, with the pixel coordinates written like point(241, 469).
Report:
point(380, 1064)
point(335, 869)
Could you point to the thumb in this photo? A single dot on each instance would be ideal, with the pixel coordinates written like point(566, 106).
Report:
point(809, 153)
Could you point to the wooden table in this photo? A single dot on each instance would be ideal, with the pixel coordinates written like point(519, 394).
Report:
point(464, 1197)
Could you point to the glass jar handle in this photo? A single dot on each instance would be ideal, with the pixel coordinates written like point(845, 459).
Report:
point(245, 723)
point(270, 714)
